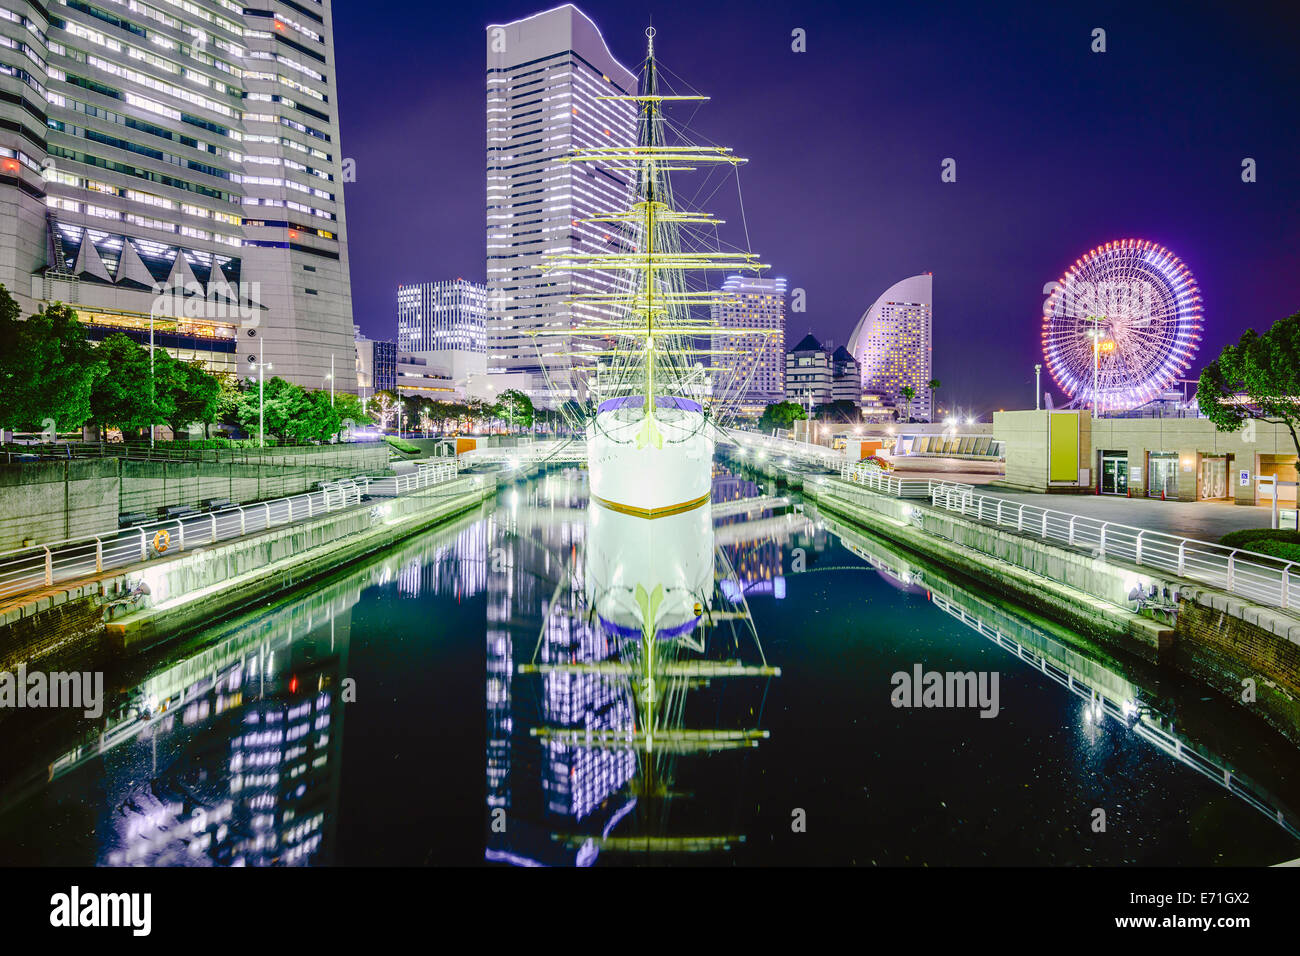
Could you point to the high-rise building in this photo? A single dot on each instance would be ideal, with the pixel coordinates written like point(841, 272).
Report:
point(846, 379)
point(440, 316)
point(549, 77)
point(808, 378)
point(893, 344)
point(755, 369)
point(376, 365)
point(177, 166)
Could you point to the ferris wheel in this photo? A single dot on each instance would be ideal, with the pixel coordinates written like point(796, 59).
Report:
point(1121, 325)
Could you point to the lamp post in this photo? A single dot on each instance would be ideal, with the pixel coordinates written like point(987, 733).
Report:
point(261, 402)
point(331, 380)
point(1038, 387)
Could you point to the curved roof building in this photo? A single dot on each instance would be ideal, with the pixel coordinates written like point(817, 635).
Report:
point(893, 344)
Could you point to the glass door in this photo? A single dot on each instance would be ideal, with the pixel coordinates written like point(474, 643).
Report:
point(1114, 474)
point(1214, 477)
point(1163, 471)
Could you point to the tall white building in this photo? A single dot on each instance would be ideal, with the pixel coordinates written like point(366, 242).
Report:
point(191, 148)
point(441, 316)
point(546, 76)
point(755, 375)
point(893, 344)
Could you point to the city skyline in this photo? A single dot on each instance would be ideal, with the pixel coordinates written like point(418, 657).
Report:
point(1023, 204)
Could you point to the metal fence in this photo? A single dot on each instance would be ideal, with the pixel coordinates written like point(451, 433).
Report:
point(1258, 577)
point(341, 454)
point(46, 564)
point(877, 479)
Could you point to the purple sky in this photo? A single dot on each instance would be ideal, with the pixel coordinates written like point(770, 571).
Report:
point(1058, 149)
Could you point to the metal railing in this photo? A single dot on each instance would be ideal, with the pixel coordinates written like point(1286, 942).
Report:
point(877, 479)
point(558, 450)
point(752, 442)
point(44, 565)
point(341, 454)
point(1258, 577)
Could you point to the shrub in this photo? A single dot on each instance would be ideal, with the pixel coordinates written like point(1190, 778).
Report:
point(1280, 543)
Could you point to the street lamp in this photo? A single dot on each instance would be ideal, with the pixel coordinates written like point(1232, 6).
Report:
point(1038, 387)
point(261, 402)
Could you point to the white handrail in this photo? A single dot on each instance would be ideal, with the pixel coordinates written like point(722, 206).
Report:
point(1252, 574)
point(42, 565)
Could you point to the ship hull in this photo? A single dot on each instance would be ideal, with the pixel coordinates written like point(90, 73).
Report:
point(653, 480)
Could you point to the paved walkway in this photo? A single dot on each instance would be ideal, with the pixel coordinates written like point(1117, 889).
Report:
point(1203, 520)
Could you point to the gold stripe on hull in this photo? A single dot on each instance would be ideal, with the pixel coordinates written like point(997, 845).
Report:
point(653, 512)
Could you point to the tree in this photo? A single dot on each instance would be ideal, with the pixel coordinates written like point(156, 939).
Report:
point(288, 409)
point(193, 392)
point(907, 392)
point(781, 415)
point(1256, 379)
point(933, 385)
point(318, 419)
point(129, 395)
point(351, 411)
point(383, 406)
point(47, 367)
point(514, 408)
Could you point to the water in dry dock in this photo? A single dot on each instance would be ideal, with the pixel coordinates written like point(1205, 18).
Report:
point(436, 706)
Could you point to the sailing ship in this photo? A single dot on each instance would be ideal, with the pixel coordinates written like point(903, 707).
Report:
point(654, 403)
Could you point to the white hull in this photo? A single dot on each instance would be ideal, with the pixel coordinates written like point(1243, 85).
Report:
point(655, 479)
point(647, 577)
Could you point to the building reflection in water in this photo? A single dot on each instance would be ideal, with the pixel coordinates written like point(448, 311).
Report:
point(600, 626)
point(231, 755)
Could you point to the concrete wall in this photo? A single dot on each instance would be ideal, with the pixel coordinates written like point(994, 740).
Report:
point(46, 501)
point(1260, 448)
point(1026, 440)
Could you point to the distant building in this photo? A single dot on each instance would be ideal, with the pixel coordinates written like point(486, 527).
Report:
point(552, 85)
point(846, 380)
point(755, 376)
point(893, 344)
point(808, 375)
point(441, 316)
point(376, 365)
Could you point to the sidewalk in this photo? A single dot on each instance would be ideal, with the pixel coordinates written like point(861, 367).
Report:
point(1203, 520)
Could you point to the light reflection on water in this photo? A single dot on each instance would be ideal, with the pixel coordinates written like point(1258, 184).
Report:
point(250, 747)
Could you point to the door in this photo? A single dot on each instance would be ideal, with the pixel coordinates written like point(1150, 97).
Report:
point(1114, 475)
point(1214, 477)
point(1163, 476)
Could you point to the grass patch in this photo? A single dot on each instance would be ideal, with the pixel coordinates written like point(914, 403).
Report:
point(402, 445)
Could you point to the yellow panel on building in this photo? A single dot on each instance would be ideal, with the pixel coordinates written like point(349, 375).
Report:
point(1063, 447)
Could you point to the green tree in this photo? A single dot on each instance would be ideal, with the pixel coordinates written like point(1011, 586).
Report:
point(350, 409)
point(287, 409)
point(907, 393)
point(933, 385)
point(319, 419)
point(47, 367)
point(193, 392)
point(515, 408)
point(1256, 379)
point(129, 395)
point(781, 415)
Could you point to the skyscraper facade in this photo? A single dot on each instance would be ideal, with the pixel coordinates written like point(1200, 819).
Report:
point(893, 345)
point(441, 316)
point(754, 370)
point(546, 78)
point(177, 166)
point(809, 378)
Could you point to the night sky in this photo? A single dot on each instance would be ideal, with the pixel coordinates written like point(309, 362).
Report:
point(1058, 149)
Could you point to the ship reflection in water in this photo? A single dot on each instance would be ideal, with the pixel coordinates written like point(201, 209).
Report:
point(664, 691)
point(644, 619)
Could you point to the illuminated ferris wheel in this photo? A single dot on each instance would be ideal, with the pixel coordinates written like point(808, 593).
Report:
point(1121, 325)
